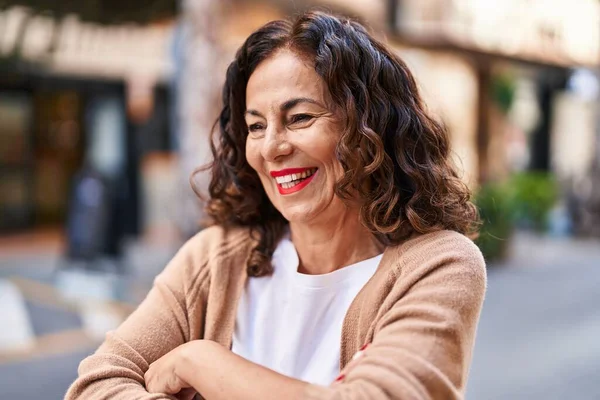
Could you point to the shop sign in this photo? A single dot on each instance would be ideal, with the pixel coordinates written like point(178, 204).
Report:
point(560, 32)
point(71, 46)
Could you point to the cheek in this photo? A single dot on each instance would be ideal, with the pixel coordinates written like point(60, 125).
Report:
point(255, 160)
point(253, 155)
point(322, 143)
point(325, 152)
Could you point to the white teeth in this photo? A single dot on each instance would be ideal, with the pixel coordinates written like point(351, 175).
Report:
point(287, 181)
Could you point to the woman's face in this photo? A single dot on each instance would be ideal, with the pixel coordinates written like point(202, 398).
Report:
point(292, 134)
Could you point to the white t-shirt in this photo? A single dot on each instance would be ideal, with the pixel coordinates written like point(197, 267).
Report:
point(292, 322)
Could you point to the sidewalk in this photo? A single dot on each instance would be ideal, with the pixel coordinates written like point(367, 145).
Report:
point(530, 250)
point(66, 307)
point(540, 324)
point(64, 313)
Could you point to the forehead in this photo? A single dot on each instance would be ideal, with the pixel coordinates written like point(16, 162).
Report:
point(281, 77)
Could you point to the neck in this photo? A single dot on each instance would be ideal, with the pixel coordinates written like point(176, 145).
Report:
point(325, 246)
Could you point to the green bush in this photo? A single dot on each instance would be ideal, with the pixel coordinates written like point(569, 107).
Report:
point(525, 199)
point(533, 195)
point(494, 203)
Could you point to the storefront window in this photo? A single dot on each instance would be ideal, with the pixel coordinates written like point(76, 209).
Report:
point(15, 160)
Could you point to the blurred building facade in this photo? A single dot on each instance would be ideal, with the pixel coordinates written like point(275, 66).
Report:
point(535, 67)
point(522, 57)
point(79, 95)
point(516, 85)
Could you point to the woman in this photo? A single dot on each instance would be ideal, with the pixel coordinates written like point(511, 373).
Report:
point(338, 266)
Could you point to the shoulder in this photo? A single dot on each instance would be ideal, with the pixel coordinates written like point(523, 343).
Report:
point(217, 239)
point(215, 247)
point(444, 243)
point(217, 242)
point(448, 252)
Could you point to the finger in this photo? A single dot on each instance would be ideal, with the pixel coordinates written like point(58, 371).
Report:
point(165, 383)
point(355, 360)
point(154, 384)
point(148, 378)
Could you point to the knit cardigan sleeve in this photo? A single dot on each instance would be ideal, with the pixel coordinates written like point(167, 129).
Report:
point(422, 344)
point(116, 370)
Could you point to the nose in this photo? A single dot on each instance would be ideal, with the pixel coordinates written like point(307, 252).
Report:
point(275, 144)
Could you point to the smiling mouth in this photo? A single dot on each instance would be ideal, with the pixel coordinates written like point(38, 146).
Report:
point(290, 180)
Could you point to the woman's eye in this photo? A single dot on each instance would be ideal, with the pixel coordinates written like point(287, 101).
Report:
point(254, 127)
point(301, 118)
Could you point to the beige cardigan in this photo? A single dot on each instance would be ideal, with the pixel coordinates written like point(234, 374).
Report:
point(419, 313)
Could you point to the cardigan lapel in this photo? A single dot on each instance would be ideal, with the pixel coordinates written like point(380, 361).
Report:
point(228, 278)
point(359, 322)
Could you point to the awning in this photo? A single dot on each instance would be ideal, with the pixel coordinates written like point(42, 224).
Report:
point(103, 11)
point(70, 45)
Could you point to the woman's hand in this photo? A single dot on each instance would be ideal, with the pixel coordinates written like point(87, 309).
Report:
point(165, 374)
point(357, 356)
point(207, 367)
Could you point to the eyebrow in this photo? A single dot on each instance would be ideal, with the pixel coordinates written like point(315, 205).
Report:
point(289, 104)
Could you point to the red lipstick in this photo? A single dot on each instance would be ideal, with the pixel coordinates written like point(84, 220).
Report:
point(296, 188)
point(288, 171)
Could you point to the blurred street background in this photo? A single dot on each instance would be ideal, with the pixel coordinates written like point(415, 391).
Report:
point(105, 111)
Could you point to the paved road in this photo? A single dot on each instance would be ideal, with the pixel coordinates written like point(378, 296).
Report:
point(539, 336)
point(45, 378)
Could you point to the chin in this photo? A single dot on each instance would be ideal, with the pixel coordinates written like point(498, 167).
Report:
point(297, 214)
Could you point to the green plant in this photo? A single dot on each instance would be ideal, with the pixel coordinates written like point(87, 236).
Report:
point(533, 195)
point(503, 88)
point(495, 208)
point(525, 199)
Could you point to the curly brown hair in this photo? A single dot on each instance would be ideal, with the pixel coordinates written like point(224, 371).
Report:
point(395, 156)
